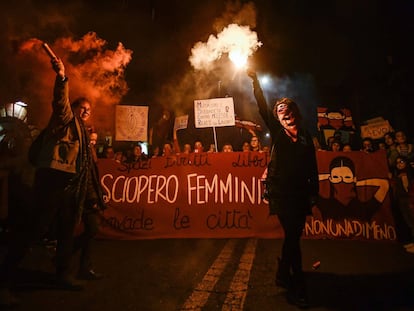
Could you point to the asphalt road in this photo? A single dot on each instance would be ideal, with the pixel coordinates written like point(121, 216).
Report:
point(224, 274)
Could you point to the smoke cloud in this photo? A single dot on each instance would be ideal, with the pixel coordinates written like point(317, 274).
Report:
point(211, 74)
point(233, 38)
point(235, 35)
point(94, 71)
point(163, 77)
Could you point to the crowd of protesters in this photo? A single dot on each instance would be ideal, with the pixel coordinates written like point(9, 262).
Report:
point(398, 148)
point(394, 143)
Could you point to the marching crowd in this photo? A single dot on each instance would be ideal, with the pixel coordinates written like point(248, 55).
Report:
point(398, 148)
point(67, 187)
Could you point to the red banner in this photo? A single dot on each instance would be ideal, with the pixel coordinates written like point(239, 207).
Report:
point(218, 195)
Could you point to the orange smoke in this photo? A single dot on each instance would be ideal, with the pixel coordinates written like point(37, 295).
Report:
point(30, 45)
point(94, 71)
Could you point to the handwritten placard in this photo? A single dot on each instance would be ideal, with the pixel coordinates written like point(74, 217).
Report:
point(214, 112)
point(376, 130)
point(181, 122)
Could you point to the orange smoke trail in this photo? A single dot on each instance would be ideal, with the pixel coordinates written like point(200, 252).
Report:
point(94, 71)
point(97, 72)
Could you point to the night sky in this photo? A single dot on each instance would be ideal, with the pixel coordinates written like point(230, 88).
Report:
point(353, 54)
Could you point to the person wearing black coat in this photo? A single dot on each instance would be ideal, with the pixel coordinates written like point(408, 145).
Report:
point(291, 184)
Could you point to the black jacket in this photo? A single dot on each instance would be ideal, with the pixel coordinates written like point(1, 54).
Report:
point(292, 176)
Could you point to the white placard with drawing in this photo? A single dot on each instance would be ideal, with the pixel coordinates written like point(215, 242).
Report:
point(131, 123)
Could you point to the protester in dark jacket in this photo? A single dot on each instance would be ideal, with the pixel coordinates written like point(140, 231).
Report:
point(403, 180)
point(61, 188)
point(292, 185)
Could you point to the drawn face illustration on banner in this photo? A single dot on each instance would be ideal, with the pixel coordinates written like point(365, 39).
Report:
point(342, 179)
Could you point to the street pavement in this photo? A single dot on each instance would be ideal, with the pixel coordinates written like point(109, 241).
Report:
point(223, 274)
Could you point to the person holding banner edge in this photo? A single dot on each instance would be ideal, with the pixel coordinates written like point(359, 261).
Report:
point(291, 186)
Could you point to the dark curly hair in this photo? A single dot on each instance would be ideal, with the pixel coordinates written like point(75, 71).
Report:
point(290, 103)
point(76, 103)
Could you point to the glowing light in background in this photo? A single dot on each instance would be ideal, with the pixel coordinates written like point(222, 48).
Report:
point(239, 42)
point(264, 80)
point(16, 110)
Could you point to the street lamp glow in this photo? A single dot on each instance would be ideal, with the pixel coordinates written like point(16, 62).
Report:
point(20, 103)
point(16, 110)
point(264, 80)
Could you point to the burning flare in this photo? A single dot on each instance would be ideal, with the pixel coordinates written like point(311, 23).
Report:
point(239, 42)
point(238, 58)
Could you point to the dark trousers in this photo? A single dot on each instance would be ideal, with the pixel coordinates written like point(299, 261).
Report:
point(84, 241)
point(291, 257)
point(51, 203)
point(407, 214)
